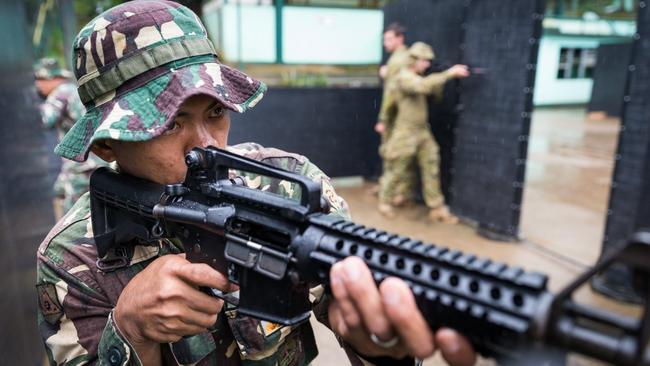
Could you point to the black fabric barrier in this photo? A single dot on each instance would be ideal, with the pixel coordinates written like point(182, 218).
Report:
point(437, 23)
point(333, 127)
point(630, 193)
point(491, 139)
point(25, 190)
point(610, 76)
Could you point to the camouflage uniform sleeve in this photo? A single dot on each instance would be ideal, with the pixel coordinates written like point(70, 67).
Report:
point(338, 206)
point(395, 63)
point(75, 108)
point(411, 83)
point(75, 312)
point(52, 110)
point(82, 331)
point(388, 105)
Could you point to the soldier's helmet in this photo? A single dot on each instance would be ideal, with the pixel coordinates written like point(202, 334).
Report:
point(49, 68)
point(136, 63)
point(421, 50)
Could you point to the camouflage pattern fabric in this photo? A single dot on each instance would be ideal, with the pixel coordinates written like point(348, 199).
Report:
point(136, 63)
point(387, 111)
point(76, 298)
point(411, 139)
point(60, 110)
point(398, 59)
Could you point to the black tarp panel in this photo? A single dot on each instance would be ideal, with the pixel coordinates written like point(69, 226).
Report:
point(437, 23)
point(25, 190)
point(501, 38)
point(331, 126)
point(630, 194)
point(610, 78)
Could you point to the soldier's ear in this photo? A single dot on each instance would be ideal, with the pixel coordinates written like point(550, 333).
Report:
point(104, 149)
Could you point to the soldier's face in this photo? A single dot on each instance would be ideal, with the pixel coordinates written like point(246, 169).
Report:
point(45, 86)
point(200, 121)
point(392, 41)
point(421, 65)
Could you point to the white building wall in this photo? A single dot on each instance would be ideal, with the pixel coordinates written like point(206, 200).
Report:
point(549, 90)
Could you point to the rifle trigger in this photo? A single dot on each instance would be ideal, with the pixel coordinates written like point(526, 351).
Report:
point(230, 297)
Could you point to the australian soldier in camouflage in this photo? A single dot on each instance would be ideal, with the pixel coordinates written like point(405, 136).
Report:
point(399, 58)
point(410, 140)
point(60, 110)
point(154, 88)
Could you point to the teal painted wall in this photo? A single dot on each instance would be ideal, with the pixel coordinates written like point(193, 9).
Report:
point(311, 35)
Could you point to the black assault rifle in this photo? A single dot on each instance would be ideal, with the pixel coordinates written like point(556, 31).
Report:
point(275, 248)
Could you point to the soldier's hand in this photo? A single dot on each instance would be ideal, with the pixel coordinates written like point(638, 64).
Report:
point(162, 303)
point(359, 310)
point(380, 128)
point(459, 71)
point(383, 70)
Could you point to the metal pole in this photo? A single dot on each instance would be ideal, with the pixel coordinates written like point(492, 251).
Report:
point(69, 26)
point(279, 5)
point(239, 37)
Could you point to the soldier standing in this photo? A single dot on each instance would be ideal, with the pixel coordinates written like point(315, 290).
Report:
point(411, 139)
point(399, 58)
point(60, 110)
point(154, 89)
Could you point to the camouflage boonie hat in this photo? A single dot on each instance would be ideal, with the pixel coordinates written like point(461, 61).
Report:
point(136, 63)
point(421, 50)
point(49, 68)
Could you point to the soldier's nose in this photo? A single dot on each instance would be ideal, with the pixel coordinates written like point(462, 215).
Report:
point(204, 137)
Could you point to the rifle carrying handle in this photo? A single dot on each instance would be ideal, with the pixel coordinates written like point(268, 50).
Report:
point(220, 161)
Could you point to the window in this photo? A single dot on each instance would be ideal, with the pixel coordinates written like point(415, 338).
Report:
point(372, 4)
point(576, 63)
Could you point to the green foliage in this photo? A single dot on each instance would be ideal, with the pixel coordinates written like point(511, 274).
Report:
point(51, 40)
point(87, 10)
point(300, 80)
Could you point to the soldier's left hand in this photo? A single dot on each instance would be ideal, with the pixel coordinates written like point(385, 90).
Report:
point(380, 127)
point(360, 309)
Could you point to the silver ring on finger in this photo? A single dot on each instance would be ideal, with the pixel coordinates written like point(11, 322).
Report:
point(384, 344)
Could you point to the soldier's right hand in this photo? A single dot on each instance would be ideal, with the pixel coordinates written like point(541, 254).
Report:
point(459, 71)
point(383, 70)
point(162, 303)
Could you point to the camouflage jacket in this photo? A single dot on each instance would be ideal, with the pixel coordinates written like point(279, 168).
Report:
point(411, 92)
point(60, 111)
point(397, 61)
point(411, 124)
point(76, 298)
point(62, 108)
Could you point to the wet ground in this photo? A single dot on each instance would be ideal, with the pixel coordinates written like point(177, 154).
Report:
point(564, 210)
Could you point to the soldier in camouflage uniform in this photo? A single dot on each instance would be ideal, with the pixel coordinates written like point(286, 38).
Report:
point(154, 89)
point(60, 110)
point(399, 58)
point(411, 139)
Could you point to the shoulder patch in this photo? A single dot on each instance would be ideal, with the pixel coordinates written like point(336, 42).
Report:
point(269, 328)
point(49, 303)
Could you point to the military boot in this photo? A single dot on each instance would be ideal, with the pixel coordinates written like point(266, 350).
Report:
point(442, 214)
point(386, 210)
point(399, 200)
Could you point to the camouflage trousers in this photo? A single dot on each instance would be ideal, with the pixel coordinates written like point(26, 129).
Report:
point(406, 185)
point(399, 159)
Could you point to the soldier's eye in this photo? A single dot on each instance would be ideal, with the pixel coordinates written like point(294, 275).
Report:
point(217, 111)
point(172, 128)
